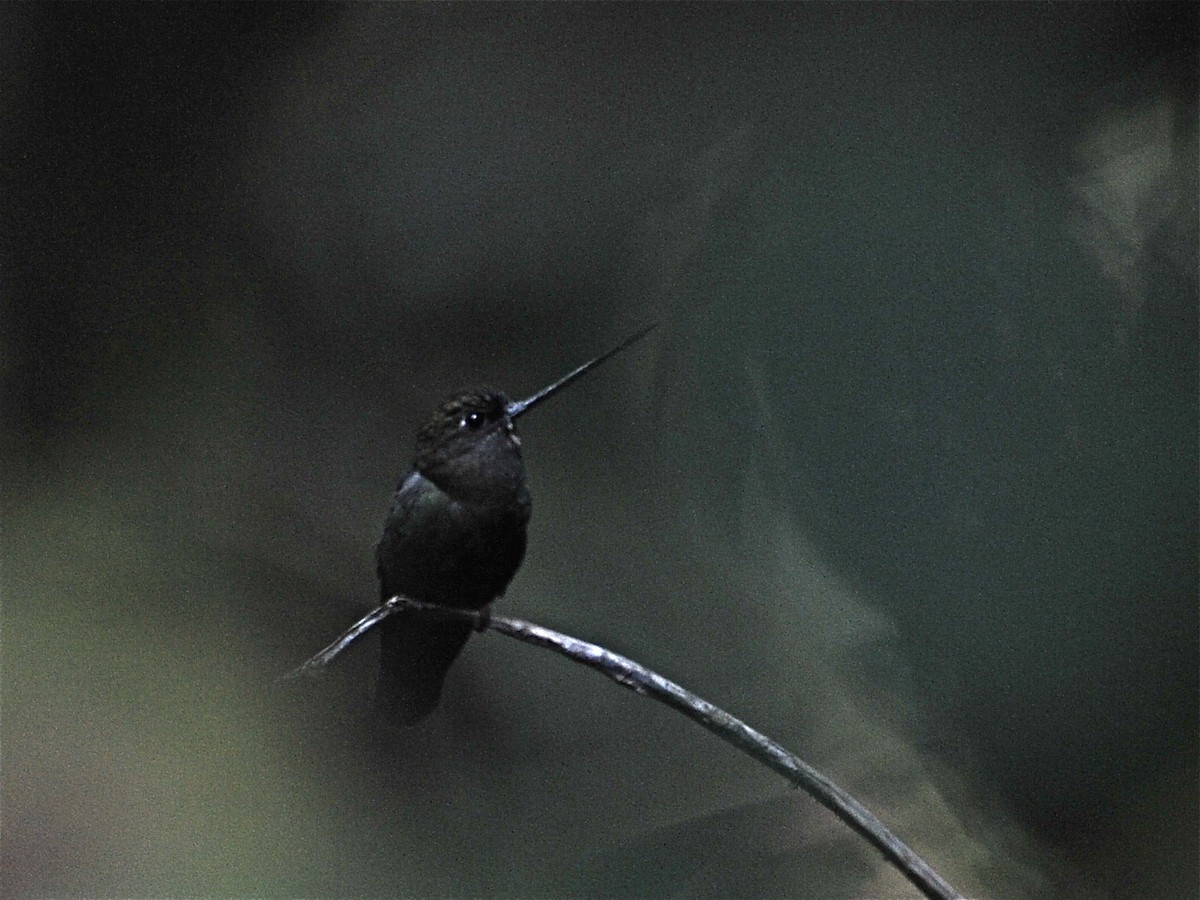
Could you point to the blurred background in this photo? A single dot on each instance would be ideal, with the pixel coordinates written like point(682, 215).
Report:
point(908, 479)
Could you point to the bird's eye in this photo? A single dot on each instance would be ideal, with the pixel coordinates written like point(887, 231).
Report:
point(471, 420)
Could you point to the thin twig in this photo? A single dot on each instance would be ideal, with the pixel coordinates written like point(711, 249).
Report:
point(638, 678)
point(315, 665)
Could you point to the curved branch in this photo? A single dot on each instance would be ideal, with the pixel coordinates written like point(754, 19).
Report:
point(643, 681)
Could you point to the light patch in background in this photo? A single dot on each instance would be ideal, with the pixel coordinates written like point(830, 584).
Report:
point(1131, 190)
point(849, 684)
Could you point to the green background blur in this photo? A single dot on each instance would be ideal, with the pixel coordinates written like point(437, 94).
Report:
point(908, 479)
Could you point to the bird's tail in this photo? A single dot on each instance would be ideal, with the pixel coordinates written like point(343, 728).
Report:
point(415, 655)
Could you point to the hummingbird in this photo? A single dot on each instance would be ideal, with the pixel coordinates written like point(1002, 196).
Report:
point(455, 534)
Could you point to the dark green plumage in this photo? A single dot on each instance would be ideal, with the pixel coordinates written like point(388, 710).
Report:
point(455, 535)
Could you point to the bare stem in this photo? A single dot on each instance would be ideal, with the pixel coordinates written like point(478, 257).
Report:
point(643, 681)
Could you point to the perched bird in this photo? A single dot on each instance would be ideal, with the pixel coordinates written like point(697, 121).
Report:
point(455, 535)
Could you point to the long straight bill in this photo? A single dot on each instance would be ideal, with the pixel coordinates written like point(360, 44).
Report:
point(517, 407)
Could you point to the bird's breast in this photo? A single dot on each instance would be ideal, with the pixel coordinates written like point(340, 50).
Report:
point(443, 549)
